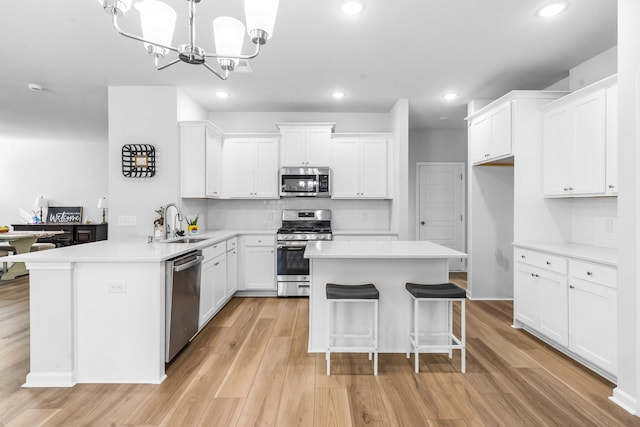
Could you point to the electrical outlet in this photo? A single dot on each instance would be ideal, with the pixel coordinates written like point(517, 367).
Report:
point(609, 225)
point(127, 220)
point(270, 216)
point(117, 287)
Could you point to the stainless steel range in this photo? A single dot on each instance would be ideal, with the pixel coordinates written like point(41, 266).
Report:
point(298, 227)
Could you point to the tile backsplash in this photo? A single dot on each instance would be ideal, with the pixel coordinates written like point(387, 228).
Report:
point(594, 221)
point(266, 214)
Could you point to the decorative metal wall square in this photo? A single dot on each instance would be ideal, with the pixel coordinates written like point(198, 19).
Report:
point(138, 160)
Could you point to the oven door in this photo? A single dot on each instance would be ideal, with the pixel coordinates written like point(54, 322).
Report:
point(292, 266)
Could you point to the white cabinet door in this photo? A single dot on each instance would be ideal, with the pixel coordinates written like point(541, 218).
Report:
point(238, 169)
point(192, 161)
point(480, 139)
point(318, 147)
point(588, 159)
point(232, 272)
point(250, 167)
point(557, 151)
point(500, 140)
point(219, 268)
point(612, 141)
point(554, 306)
point(265, 168)
point(346, 168)
point(527, 298)
point(260, 270)
point(207, 305)
point(593, 323)
point(373, 168)
point(292, 144)
point(213, 175)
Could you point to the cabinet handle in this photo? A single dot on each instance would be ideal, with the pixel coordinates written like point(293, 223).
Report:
point(272, 251)
point(535, 275)
point(548, 262)
point(565, 189)
point(570, 188)
point(217, 263)
point(523, 257)
point(571, 287)
point(589, 273)
point(611, 186)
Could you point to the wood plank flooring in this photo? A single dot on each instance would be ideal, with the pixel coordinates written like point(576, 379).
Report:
point(250, 367)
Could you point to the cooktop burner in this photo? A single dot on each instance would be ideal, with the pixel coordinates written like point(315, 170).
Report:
point(305, 225)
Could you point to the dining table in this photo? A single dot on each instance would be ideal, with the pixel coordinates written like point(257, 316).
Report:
point(21, 242)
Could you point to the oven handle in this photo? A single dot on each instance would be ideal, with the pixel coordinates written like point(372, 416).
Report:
point(292, 248)
point(300, 245)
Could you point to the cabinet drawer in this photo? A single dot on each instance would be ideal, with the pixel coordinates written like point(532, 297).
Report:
point(210, 252)
point(232, 244)
point(260, 240)
point(596, 273)
point(544, 260)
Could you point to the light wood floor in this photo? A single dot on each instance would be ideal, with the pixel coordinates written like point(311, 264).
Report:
point(250, 367)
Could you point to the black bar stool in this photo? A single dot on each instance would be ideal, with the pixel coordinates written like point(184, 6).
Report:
point(350, 294)
point(448, 292)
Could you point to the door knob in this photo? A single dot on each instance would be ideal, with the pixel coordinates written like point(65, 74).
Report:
point(421, 222)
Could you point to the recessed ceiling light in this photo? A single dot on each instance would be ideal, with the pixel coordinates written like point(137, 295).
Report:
point(552, 9)
point(33, 87)
point(338, 95)
point(450, 96)
point(222, 94)
point(351, 7)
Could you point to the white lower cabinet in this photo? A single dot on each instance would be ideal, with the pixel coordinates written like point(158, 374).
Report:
point(213, 282)
point(258, 263)
point(571, 303)
point(232, 272)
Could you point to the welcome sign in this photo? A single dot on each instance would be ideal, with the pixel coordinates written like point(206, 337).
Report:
point(64, 215)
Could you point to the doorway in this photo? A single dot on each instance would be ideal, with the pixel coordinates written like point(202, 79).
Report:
point(441, 206)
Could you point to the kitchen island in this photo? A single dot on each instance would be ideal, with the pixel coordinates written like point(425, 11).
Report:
point(97, 311)
point(388, 265)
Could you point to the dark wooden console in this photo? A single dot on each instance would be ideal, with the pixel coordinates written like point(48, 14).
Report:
point(73, 234)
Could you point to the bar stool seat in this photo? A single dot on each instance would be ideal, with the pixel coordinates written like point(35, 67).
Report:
point(448, 292)
point(336, 294)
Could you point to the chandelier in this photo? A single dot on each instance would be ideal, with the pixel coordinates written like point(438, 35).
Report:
point(158, 22)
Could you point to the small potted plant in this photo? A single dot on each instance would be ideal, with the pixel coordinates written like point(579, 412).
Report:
point(192, 225)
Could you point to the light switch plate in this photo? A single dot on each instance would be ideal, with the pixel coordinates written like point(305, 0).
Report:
point(127, 220)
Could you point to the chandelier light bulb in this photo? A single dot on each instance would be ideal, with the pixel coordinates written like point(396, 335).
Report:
point(222, 94)
point(260, 16)
point(229, 35)
point(158, 21)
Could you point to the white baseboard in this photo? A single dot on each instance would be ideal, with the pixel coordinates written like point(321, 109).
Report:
point(624, 400)
point(50, 379)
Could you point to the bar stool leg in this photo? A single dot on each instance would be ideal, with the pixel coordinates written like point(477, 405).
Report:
point(330, 326)
point(416, 335)
point(463, 352)
point(450, 316)
point(410, 348)
point(375, 339)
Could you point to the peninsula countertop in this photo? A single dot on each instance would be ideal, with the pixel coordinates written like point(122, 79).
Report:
point(134, 249)
point(401, 249)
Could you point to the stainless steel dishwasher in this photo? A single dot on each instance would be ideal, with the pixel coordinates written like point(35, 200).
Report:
point(182, 301)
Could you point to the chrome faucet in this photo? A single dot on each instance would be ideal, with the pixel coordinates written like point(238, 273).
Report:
point(167, 226)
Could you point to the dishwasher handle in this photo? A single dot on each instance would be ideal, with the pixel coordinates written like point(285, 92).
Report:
point(178, 268)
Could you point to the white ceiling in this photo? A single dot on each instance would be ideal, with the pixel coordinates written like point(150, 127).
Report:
point(414, 49)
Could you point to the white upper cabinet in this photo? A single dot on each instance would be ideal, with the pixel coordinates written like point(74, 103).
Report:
point(305, 144)
point(200, 160)
point(580, 142)
point(360, 168)
point(490, 134)
point(250, 167)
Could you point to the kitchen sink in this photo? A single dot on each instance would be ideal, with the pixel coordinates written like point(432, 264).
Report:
point(187, 240)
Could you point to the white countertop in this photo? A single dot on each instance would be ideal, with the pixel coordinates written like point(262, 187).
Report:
point(573, 250)
point(135, 249)
point(364, 232)
point(379, 249)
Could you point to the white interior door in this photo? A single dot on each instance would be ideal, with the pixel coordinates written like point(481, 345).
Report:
point(440, 206)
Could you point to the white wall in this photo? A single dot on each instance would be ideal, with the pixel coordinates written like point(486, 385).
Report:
point(399, 120)
point(628, 390)
point(437, 145)
point(266, 121)
point(67, 173)
point(597, 68)
point(145, 115)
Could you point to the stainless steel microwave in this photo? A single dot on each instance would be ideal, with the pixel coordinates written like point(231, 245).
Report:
point(305, 182)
